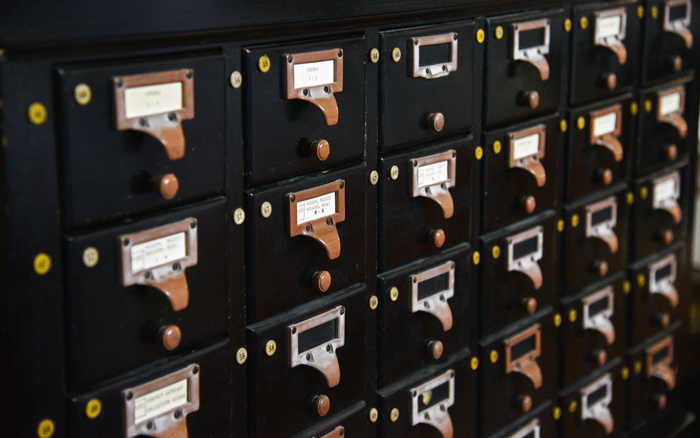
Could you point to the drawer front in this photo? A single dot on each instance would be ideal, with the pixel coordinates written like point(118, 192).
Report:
point(663, 129)
point(414, 408)
point(304, 109)
point(156, 129)
point(594, 327)
point(660, 210)
point(539, 422)
point(595, 406)
point(517, 370)
point(427, 312)
point(145, 291)
point(426, 84)
point(424, 201)
point(669, 28)
point(353, 421)
point(656, 298)
point(320, 255)
point(601, 144)
point(520, 272)
point(308, 363)
point(521, 171)
point(607, 38)
point(595, 238)
point(513, 87)
point(199, 400)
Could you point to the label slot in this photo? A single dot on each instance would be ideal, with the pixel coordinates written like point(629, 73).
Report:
point(595, 402)
point(434, 56)
point(431, 401)
point(525, 250)
point(598, 308)
point(531, 44)
point(522, 351)
point(601, 219)
point(433, 176)
point(430, 291)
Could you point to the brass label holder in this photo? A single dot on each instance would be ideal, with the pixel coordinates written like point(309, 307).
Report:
point(321, 357)
point(435, 70)
point(316, 212)
point(158, 258)
point(603, 230)
point(435, 304)
point(600, 321)
point(603, 37)
point(161, 122)
point(433, 176)
point(527, 151)
point(680, 26)
point(662, 369)
point(527, 363)
point(338, 432)
point(599, 410)
point(144, 416)
point(533, 55)
point(531, 430)
point(671, 106)
point(604, 133)
point(664, 286)
point(437, 414)
point(667, 192)
point(528, 263)
point(307, 80)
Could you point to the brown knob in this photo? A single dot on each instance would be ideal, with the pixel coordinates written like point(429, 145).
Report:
point(660, 400)
point(662, 319)
point(671, 152)
point(531, 99)
point(170, 336)
point(437, 237)
point(321, 404)
point(166, 186)
point(601, 268)
point(610, 81)
point(605, 176)
point(320, 149)
point(322, 280)
point(667, 237)
point(525, 403)
point(675, 62)
point(599, 357)
point(528, 203)
point(436, 121)
point(435, 349)
point(529, 304)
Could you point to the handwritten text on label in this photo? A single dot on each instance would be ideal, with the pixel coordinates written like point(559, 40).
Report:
point(526, 146)
point(608, 26)
point(313, 74)
point(152, 99)
point(158, 252)
point(433, 174)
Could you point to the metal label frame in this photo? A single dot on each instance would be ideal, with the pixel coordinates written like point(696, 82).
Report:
point(600, 321)
point(663, 93)
point(437, 415)
point(662, 204)
point(527, 264)
point(681, 26)
point(530, 163)
point(165, 425)
point(666, 286)
point(599, 411)
point(610, 140)
point(435, 70)
point(435, 304)
point(613, 42)
point(527, 364)
point(531, 428)
point(438, 192)
point(603, 230)
point(533, 55)
point(661, 369)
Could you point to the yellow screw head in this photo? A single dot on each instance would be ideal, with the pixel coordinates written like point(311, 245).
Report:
point(373, 302)
point(476, 257)
point(82, 94)
point(574, 220)
point(584, 22)
point(654, 12)
point(497, 147)
point(374, 56)
point(637, 367)
point(91, 257)
point(499, 32)
point(647, 106)
point(394, 293)
point(494, 356)
point(634, 108)
point(374, 177)
point(640, 11)
point(475, 363)
point(93, 408)
point(496, 252)
point(394, 415)
point(373, 415)
point(270, 348)
point(396, 54)
point(573, 315)
point(644, 192)
point(478, 153)
point(241, 356)
point(556, 413)
point(567, 25)
point(560, 225)
point(626, 287)
point(563, 126)
point(625, 373)
point(630, 198)
point(264, 64)
point(557, 320)
point(238, 216)
point(480, 36)
point(266, 209)
point(46, 429)
point(42, 263)
point(641, 280)
point(581, 122)
point(37, 113)
point(572, 406)
point(394, 172)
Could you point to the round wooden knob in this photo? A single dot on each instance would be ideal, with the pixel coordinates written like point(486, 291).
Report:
point(170, 336)
point(610, 81)
point(437, 237)
point(525, 403)
point(435, 349)
point(599, 357)
point(676, 63)
point(531, 99)
point(529, 304)
point(671, 152)
point(320, 149)
point(662, 319)
point(667, 237)
point(322, 280)
point(605, 176)
point(436, 121)
point(660, 401)
point(528, 203)
point(166, 186)
point(321, 405)
point(601, 268)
